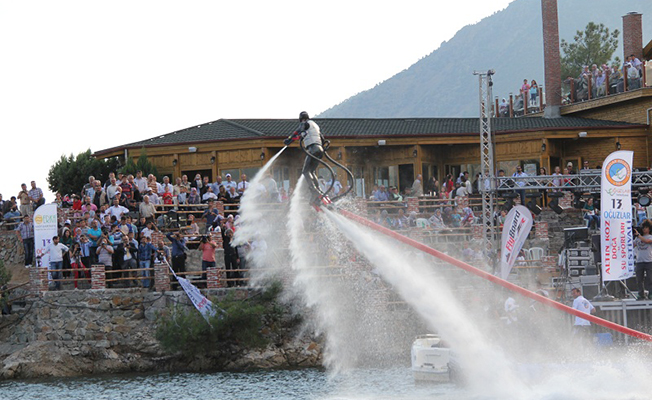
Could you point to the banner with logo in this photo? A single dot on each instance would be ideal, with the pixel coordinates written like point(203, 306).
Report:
point(201, 303)
point(617, 243)
point(45, 227)
point(516, 229)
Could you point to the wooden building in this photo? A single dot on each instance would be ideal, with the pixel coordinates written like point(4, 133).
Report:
point(393, 151)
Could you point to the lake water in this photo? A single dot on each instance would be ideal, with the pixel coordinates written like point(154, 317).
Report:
point(394, 383)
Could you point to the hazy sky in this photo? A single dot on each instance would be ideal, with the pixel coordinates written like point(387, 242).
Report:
point(88, 74)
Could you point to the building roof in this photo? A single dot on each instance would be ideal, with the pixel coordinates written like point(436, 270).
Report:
point(238, 129)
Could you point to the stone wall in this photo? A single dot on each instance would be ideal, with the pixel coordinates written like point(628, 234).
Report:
point(71, 333)
point(11, 247)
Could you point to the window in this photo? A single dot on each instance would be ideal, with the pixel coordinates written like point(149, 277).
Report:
point(282, 177)
point(358, 173)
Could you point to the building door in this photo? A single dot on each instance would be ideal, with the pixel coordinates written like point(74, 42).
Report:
point(405, 176)
point(203, 172)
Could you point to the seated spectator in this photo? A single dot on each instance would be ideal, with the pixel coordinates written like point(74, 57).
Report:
point(208, 195)
point(192, 229)
point(591, 214)
point(385, 220)
point(400, 222)
point(194, 197)
point(149, 229)
point(456, 218)
point(13, 213)
point(467, 216)
point(436, 221)
point(222, 195)
point(153, 197)
point(381, 194)
point(232, 195)
point(394, 194)
point(229, 183)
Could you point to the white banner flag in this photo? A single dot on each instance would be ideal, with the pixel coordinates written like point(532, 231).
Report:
point(516, 229)
point(201, 303)
point(45, 227)
point(617, 244)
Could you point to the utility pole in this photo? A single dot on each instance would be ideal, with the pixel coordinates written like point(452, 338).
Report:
point(487, 184)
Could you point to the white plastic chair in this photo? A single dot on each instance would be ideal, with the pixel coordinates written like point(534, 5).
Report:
point(536, 253)
point(423, 223)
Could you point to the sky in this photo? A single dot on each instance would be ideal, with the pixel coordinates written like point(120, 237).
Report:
point(87, 74)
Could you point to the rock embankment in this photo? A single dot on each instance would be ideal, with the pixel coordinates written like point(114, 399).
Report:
point(72, 333)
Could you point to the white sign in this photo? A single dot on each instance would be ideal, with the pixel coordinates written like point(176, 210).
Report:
point(45, 227)
point(617, 243)
point(516, 229)
point(201, 303)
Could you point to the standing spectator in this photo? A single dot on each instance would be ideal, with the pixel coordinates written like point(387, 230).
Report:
point(56, 251)
point(126, 255)
point(85, 252)
point(153, 197)
point(100, 197)
point(166, 186)
point(544, 192)
point(145, 253)
point(26, 229)
point(243, 184)
point(212, 216)
point(381, 194)
point(107, 183)
point(112, 189)
point(141, 182)
point(194, 197)
point(127, 188)
point(643, 244)
point(36, 196)
point(582, 327)
point(534, 93)
point(217, 184)
point(147, 209)
point(417, 186)
point(525, 89)
point(89, 188)
point(231, 258)
point(207, 248)
point(179, 192)
point(104, 254)
point(116, 210)
point(178, 252)
point(520, 183)
point(197, 183)
point(94, 234)
point(229, 183)
point(23, 198)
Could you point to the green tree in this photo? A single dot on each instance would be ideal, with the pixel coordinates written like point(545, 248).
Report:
point(142, 164)
point(70, 173)
point(596, 44)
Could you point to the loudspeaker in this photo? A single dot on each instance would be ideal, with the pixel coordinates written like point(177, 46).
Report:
point(590, 291)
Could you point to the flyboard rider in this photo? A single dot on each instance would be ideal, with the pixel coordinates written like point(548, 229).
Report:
point(315, 144)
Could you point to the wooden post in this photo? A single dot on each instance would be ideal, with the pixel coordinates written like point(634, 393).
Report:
point(539, 93)
point(214, 166)
point(496, 109)
point(625, 80)
point(572, 90)
point(418, 166)
point(526, 99)
point(511, 105)
point(606, 82)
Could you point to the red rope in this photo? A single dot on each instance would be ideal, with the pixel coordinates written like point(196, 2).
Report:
point(497, 280)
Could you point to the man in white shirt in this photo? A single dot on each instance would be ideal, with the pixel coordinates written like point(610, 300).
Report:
point(166, 185)
point(117, 210)
point(112, 189)
point(147, 209)
point(141, 182)
point(209, 195)
point(243, 184)
point(56, 250)
point(582, 327)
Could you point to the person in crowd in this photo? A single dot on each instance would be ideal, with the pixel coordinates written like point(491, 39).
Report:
point(146, 251)
point(461, 188)
point(116, 210)
point(104, 255)
point(26, 230)
point(233, 196)
point(192, 229)
point(36, 196)
point(207, 248)
point(582, 327)
point(100, 197)
point(591, 214)
point(66, 239)
point(231, 258)
point(381, 194)
point(165, 185)
point(178, 252)
point(153, 184)
point(212, 216)
point(208, 195)
point(544, 192)
point(243, 184)
point(126, 254)
point(149, 229)
point(112, 189)
point(89, 188)
point(88, 205)
point(94, 235)
point(600, 84)
point(436, 221)
point(417, 186)
point(449, 186)
point(140, 182)
point(153, 197)
point(643, 268)
point(400, 222)
point(147, 209)
point(394, 195)
point(194, 197)
point(126, 188)
point(534, 94)
point(13, 213)
point(75, 256)
point(205, 184)
point(503, 108)
point(167, 195)
point(222, 195)
point(217, 184)
point(24, 199)
point(525, 89)
point(467, 216)
point(229, 183)
point(520, 183)
point(456, 218)
point(56, 251)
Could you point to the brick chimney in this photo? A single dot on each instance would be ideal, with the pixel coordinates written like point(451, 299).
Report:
point(633, 35)
point(551, 58)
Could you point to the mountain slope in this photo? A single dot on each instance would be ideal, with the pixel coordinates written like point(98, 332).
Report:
point(442, 84)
